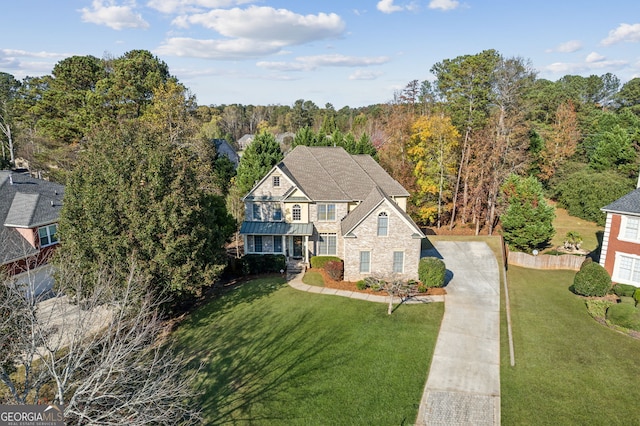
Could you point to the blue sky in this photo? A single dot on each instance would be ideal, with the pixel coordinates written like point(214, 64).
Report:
point(353, 53)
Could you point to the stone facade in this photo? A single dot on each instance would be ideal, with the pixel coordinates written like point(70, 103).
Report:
point(400, 238)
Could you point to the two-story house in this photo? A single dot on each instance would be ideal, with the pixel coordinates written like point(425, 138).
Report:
point(324, 201)
point(29, 211)
point(620, 252)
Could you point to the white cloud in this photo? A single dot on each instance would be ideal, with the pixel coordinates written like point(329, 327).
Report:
point(586, 67)
point(184, 6)
point(444, 4)
point(251, 32)
point(365, 75)
point(567, 47)
point(387, 6)
point(624, 32)
point(267, 23)
point(594, 57)
point(106, 12)
point(217, 49)
point(308, 63)
point(29, 63)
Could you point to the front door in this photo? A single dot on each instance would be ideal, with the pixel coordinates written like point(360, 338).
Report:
point(297, 246)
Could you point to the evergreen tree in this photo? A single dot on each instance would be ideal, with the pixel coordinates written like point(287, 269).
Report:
point(527, 223)
point(134, 197)
point(259, 157)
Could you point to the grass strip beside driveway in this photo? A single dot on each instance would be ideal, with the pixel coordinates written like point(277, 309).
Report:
point(569, 369)
point(274, 355)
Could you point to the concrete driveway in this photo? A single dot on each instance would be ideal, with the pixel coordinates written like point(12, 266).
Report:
point(463, 387)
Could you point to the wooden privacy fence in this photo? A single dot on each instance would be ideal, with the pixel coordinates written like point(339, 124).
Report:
point(545, 261)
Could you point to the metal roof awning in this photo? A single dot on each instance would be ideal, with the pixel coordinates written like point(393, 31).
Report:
point(276, 228)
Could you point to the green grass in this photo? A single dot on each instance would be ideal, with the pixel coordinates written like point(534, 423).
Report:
point(564, 223)
point(313, 278)
point(275, 355)
point(569, 369)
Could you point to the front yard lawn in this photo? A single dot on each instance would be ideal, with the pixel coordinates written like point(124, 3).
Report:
point(275, 355)
point(569, 369)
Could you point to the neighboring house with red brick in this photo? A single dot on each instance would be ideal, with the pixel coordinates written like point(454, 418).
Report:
point(29, 211)
point(324, 201)
point(620, 254)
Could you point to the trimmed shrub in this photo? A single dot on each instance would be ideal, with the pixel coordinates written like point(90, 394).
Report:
point(587, 260)
point(592, 280)
point(431, 272)
point(320, 261)
point(361, 285)
point(625, 290)
point(335, 269)
point(624, 315)
point(263, 263)
point(636, 296)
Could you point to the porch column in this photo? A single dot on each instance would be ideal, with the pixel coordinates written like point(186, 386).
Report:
point(306, 249)
point(244, 242)
point(284, 245)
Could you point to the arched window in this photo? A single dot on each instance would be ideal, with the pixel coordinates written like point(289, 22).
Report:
point(383, 224)
point(296, 212)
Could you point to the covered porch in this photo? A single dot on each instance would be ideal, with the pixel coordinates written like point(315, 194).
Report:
point(289, 239)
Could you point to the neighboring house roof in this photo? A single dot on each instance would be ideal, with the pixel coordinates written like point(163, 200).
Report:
point(366, 207)
point(276, 228)
point(627, 204)
point(224, 148)
point(244, 141)
point(25, 202)
point(332, 174)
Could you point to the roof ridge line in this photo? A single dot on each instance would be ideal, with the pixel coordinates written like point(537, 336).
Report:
point(329, 174)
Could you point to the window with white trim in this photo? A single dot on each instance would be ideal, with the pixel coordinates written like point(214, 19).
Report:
point(327, 243)
point(627, 269)
point(257, 212)
point(276, 181)
point(630, 228)
point(398, 262)
point(326, 212)
point(296, 212)
point(47, 235)
point(383, 224)
point(365, 262)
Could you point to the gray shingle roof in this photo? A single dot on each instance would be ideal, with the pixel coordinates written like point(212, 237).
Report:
point(364, 209)
point(332, 174)
point(25, 202)
point(629, 203)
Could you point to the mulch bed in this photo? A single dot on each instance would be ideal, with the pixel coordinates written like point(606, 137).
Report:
point(351, 286)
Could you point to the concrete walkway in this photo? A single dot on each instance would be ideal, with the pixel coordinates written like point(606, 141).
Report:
point(463, 387)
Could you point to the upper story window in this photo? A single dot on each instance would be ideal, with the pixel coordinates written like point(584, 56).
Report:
point(47, 235)
point(277, 212)
point(383, 224)
point(276, 181)
point(296, 212)
point(630, 229)
point(257, 212)
point(326, 212)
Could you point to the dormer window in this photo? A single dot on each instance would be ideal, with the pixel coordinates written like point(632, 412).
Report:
point(47, 235)
point(276, 181)
point(296, 212)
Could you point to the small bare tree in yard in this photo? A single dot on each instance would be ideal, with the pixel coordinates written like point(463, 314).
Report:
point(102, 356)
point(394, 285)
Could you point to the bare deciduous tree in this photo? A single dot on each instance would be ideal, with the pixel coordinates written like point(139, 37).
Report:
point(103, 357)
